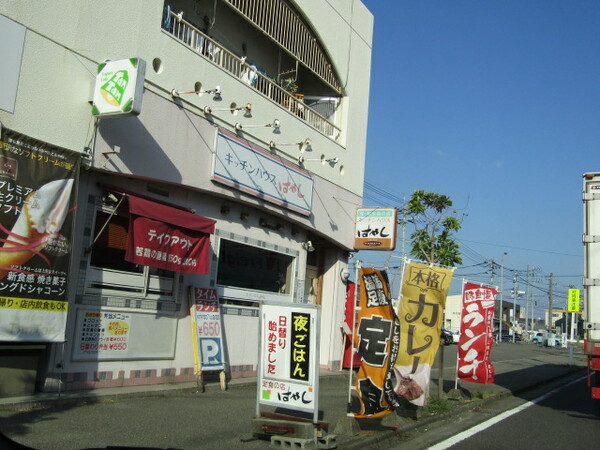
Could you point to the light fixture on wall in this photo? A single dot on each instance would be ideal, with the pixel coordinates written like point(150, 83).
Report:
point(175, 93)
point(302, 160)
point(247, 109)
point(345, 275)
point(308, 246)
point(303, 145)
point(270, 225)
point(275, 125)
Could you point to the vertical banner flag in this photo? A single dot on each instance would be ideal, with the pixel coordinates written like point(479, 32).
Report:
point(37, 196)
point(424, 291)
point(288, 356)
point(206, 318)
point(476, 337)
point(376, 339)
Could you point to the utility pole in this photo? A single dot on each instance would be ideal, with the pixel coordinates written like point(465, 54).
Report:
point(527, 299)
point(515, 296)
point(501, 295)
point(550, 300)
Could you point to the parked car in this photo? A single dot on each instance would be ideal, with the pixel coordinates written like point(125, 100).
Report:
point(446, 337)
point(539, 338)
point(507, 336)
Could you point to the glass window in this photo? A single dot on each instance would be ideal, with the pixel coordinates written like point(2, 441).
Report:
point(248, 267)
point(109, 273)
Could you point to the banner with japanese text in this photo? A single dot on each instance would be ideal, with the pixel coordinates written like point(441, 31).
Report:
point(168, 238)
point(476, 337)
point(37, 198)
point(424, 291)
point(376, 340)
point(289, 356)
point(206, 320)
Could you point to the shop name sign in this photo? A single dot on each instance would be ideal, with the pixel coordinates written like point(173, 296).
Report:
point(375, 229)
point(119, 88)
point(252, 170)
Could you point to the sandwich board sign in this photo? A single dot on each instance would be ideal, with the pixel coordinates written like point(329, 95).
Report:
point(207, 334)
point(289, 357)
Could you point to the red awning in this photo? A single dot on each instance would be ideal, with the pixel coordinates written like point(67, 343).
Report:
point(168, 238)
point(168, 214)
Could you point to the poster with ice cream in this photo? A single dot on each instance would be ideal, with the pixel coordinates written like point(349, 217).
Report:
point(37, 202)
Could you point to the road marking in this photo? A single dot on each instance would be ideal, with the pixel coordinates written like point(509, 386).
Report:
point(493, 421)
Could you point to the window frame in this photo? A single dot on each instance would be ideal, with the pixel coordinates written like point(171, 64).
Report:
point(111, 282)
point(242, 296)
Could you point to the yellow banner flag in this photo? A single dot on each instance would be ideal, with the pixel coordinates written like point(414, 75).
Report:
point(424, 291)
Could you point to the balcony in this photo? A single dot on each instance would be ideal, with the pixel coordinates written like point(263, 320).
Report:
point(213, 51)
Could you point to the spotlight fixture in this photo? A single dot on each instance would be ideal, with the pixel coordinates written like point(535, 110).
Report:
point(303, 145)
point(308, 246)
point(302, 160)
point(247, 109)
point(216, 92)
point(274, 125)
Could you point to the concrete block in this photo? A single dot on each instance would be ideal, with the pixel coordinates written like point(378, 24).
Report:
point(347, 426)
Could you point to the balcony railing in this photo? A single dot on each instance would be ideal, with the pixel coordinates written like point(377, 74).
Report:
point(202, 44)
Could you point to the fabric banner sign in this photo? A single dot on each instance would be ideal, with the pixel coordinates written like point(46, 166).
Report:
point(168, 238)
point(424, 291)
point(476, 337)
point(376, 339)
point(37, 199)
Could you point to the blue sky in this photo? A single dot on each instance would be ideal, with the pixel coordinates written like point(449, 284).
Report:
point(496, 104)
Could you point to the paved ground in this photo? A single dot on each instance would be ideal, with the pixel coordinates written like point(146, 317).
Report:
point(180, 417)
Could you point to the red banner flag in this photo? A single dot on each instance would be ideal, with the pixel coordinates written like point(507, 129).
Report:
point(476, 338)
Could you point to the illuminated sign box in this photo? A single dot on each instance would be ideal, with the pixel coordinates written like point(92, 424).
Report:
point(375, 229)
point(119, 88)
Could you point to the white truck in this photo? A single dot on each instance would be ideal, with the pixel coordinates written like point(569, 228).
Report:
point(591, 278)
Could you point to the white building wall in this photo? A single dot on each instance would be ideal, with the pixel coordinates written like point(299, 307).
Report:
point(171, 144)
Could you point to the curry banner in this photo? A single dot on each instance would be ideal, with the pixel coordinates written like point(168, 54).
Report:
point(376, 339)
point(476, 337)
point(37, 197)
point(424, 291)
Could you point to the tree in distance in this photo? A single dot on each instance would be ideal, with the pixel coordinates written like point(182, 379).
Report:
point(432, 241)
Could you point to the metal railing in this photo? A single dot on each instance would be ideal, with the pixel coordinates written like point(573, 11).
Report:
point(202, 44)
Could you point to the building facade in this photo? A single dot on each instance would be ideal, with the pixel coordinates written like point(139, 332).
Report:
point(248, 123)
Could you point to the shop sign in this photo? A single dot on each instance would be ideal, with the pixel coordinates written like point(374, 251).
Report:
point(206, 318)
point(288, 356)
point(103, 333)
point(119, 87)
point(375, 229)
point(574, 295)
point(250, 169)
point(37, 194)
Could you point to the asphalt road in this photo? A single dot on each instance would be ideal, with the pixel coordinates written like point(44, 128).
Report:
point(562, 416)
point(183, 419)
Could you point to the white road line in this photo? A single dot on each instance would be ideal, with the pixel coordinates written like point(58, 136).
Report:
point(491, 422)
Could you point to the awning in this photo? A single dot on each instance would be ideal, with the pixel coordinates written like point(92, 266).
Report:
point(153, 210)
point(168, 238)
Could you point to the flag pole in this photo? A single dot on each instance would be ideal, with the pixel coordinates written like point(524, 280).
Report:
point(354, 309)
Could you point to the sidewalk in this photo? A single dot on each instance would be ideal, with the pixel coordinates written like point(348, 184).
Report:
point(178, 416)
